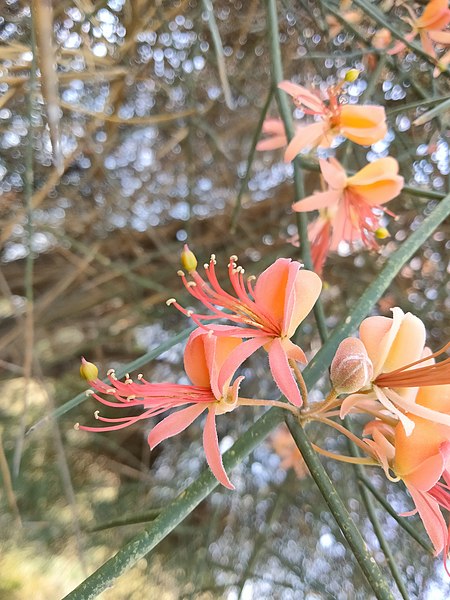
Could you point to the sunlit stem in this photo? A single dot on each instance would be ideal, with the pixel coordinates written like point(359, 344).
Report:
point(329, 402)
point(347, 459)
point(300, 381)
point(351, 436)
point(276, 403)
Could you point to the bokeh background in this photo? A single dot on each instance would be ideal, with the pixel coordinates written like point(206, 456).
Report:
point(140, 140)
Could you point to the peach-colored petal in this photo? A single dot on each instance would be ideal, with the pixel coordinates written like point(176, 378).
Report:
point(174, 424)
point(408, 344)
point(333, 173)
point(436, 397)
point(272, 143)
point(309, 135)
point(307, 288)
point(378, 170)
point(427, 44)
point(212, 451)
point(282, 373)
point(317, 201)
point(435, 16)
point(379, 192)
point(273, 127)
point(237, 358)
point(440, 37)
point(407, 423)
point(270, 288)
point(293, 351)
point(195, 363)
point(377, 335)
point(362, 117)
point(431, 516)
point(302, 95)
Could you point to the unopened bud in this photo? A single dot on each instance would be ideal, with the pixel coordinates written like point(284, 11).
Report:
point(382, 233)
point(88, 370)
point(352, 75)
point(351, 369)
point(188, 260)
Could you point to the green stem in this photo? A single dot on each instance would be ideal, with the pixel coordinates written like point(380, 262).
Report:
point(251, 157)
point(340, 513)
point(402, 521)
point(299, 187)
point(367, 500)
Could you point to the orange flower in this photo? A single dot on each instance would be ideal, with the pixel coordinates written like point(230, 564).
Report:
point(420, 459)
point(347, 207)
point(401, 367)
point(363, 125)
point(429, 26)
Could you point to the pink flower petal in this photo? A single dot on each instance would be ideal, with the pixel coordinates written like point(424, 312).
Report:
point(237, 357)
point(307, 288)
point(293, 351)
point(310, 135)
point(174, 424)
point(408, 344)
point(195, 363)
point(282, 373)
point(377, 334)
point(211, 446)
point(302, 95)
point(272, 143)
point(317, 201)
point(431, 516)
point(333, 173)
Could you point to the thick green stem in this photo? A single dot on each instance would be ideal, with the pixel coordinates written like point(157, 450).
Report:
point(340, 513)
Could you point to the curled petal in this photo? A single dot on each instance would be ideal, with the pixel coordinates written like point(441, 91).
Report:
point(317, 201)
point(282, 373)
point(310, 135)
point(238, 356)
point(174, 424)
point(212, 451)
point(333, 173)
point(302, 95)
point(431, 516)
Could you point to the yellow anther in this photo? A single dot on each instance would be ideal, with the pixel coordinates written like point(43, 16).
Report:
point(352, 75)
point(382, 233)
point(188, 260)
point(88, 370)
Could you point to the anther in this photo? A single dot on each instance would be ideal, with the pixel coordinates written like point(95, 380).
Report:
point(140, 376)
point(189, 313)
point(206, 266)
point(76, 426)
point(96, 414)
point(180, 273)
point(233, 258)
point(110, 372)
point(170, 301)
point(89, 392)
point(251, 278)
point(191, 284)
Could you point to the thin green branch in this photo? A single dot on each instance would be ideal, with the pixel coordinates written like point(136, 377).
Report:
point(402, 521)
point(371, 512)
point(286, 116)
point(340, 513)
point(251, 157)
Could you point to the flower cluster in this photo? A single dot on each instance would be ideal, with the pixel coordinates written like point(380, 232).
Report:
point(262, 313)
point(391, 375)
point(350, 210)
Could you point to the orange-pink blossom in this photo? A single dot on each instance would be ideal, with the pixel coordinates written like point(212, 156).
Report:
point(429, 26)
point(401, 366)
point(204, 357)
point(266, 312)
point(348, 208)
point(420, 460)
point(363, 125)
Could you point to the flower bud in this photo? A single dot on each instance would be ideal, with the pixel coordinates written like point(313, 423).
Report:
point(382, 233)
point(88, 370)
point(188, 260)
point(351, 369)
point(352, 75)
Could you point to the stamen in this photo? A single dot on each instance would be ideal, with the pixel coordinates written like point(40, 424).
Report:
point(110, 372)
point(89, 392)
point(140, 376)
point(191, 284)
point(96, 414)
point(171, 300)
point(76, 426)
point(180, 273)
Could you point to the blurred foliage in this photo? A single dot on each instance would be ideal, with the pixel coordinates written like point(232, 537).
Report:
point(152, 155)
